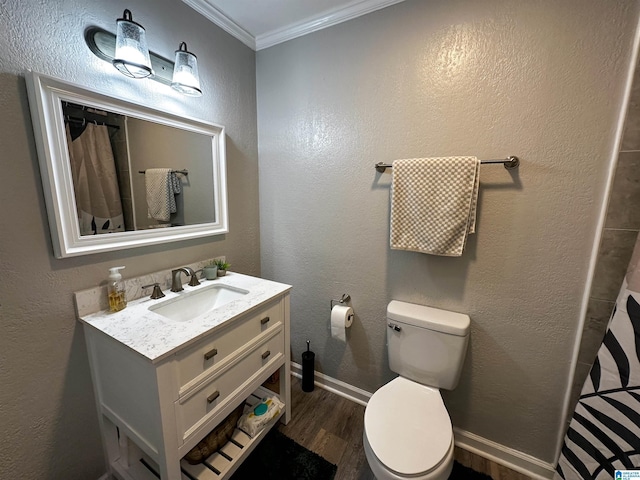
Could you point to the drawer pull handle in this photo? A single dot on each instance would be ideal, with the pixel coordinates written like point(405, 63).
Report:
point(210, 354)
point(266, 354)
point(213, 396)
point(264, 321)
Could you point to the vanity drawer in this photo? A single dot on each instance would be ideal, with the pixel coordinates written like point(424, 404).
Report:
point(197, 408)
point(196, 363)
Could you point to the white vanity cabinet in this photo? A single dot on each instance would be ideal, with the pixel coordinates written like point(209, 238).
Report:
point(154, 410)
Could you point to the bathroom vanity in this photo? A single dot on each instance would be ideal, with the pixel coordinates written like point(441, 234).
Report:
point(166, 372)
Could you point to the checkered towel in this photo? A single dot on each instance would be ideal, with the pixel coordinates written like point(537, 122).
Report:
point(162, 186)
point(433, 204)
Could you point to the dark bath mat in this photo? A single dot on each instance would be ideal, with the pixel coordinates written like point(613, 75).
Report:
point(460, 472)
point(277, 457)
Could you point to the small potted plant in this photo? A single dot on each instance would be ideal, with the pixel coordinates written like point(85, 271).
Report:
point(210, 270)
point(222, 267)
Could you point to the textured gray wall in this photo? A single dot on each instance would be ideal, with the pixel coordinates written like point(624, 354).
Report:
point(47, 409)
point(158, 146)
point(542, 80)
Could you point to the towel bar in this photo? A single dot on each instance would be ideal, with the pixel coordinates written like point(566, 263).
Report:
point(509, 163)
point(183, 172)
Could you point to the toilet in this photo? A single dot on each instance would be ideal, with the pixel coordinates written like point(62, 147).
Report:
point(407, 429)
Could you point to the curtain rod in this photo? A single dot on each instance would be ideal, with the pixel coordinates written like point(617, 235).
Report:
point(84, 121)
point(509, 163)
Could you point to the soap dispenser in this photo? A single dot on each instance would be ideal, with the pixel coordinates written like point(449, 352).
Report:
point(115, 290)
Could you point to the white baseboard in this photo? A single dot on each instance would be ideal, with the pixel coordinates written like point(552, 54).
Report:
point(333, 385)
point(513, 459)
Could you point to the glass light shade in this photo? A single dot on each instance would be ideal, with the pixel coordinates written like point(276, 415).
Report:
point(185, 72)
point(132, 55)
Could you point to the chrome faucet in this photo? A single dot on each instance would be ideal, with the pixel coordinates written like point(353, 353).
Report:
point(176, 281)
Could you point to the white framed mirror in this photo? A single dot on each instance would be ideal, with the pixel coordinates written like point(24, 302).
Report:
point(118, 175)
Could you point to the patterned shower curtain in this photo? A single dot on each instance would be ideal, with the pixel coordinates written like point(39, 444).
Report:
point(604, 433)
point(95, 180)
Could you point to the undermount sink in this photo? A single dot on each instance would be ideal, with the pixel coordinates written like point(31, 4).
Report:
point(193, 304)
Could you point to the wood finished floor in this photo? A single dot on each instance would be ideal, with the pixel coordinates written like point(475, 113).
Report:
point(331, 426)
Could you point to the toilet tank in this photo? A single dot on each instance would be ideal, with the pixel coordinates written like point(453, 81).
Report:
point(425, 344)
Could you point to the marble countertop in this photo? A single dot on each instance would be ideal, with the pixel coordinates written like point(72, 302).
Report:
point(156, 337)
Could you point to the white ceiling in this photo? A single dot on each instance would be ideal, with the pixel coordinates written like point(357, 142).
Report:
point(263, 23)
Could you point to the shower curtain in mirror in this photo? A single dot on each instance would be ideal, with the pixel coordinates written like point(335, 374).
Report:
point(95, 180)
point(604, 433)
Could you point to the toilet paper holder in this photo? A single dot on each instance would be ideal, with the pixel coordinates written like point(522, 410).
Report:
point(345, 298)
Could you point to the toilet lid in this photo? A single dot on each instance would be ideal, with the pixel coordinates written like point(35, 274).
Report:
point(408, 426)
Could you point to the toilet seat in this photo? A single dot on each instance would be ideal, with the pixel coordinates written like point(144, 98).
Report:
point(408, 427)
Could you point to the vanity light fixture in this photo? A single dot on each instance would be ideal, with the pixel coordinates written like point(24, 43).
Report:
point(127, 51)
point(131, 53)
point(185, 72)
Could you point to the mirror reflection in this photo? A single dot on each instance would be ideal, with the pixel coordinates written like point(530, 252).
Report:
point(132, 174)
point(115, 172)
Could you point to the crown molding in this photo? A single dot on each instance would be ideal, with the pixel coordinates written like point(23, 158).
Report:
point(207, 10)
point(326, 19)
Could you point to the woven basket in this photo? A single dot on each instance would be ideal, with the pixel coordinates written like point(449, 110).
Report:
point(215, 439)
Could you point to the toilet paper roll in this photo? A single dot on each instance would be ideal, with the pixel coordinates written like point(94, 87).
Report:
point(341, 319)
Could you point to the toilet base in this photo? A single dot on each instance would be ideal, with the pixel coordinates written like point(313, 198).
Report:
point(441, 472)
